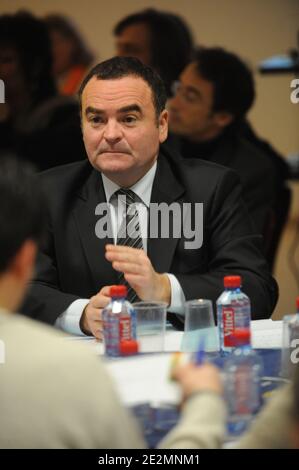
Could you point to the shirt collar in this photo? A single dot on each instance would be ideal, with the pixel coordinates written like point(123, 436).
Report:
point(143, 187)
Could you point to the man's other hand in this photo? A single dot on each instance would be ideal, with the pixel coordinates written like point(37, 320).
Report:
point(139, 273)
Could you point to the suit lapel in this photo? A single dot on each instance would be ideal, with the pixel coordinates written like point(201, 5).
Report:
point(166, 188)
point(91, 194)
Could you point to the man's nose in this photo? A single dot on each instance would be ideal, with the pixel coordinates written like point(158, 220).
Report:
point(113, 132)
point(174, 102)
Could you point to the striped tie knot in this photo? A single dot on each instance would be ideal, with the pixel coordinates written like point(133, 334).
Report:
point(128, 196)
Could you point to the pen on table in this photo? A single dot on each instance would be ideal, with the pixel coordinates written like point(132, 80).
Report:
point(200, 353)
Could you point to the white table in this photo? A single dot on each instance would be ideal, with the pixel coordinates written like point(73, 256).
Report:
point(145, 378)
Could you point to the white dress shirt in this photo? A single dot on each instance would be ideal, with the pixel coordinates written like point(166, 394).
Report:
point(69, 320)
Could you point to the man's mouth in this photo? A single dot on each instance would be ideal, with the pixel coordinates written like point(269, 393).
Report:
point(115, 152)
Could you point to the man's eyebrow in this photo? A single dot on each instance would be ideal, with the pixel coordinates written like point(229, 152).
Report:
point(92, 110)
point(130, 108)
point(125, 109)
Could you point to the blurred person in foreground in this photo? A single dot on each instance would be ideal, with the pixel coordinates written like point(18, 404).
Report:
point(54, 394)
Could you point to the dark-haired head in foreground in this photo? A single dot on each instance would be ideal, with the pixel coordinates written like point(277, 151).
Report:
point(21, 228)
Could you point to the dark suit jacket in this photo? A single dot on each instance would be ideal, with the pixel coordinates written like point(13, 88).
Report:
point(256, 170)
point(72, 264)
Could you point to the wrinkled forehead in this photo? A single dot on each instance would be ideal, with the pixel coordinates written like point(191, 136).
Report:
point(116, 93)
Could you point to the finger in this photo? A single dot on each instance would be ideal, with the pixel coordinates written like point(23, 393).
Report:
point(135, 279)
point(94, 314)
point(98, 334)
point(128, 268)
point(122, 249)
point(105, 291)
point(128, 254)
point(99, 301)
point(181, 371)
point(109, 246)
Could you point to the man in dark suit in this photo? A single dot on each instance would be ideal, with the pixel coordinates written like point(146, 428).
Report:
point(124, 121)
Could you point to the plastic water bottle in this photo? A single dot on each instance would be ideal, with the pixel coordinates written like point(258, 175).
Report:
point(119, 322)
point(243, 370)
point(233, 312)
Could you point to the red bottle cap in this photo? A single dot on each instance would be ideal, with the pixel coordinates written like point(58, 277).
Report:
point(240, 337)
point(118, 291)
point(297, 304)
point(128, 347)
point(232, 281)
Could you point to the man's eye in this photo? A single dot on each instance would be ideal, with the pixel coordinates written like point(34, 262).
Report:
point(130, 119)
point(96, 120)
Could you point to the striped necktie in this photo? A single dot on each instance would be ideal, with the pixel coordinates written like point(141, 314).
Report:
point(129, 233)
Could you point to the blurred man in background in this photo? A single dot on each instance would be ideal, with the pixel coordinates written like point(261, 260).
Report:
point(159, 39)
point(71, 55)
point(207, 115)
point(35, 122)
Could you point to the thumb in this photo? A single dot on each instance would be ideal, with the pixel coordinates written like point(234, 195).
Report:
point(105, 291)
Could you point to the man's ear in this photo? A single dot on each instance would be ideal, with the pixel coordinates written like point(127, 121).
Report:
point(22, 266)
point(163, 126)
point(223, 119)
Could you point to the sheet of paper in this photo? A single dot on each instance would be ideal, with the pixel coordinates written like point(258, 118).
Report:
point(266, 334)
point(144, 381)
point(145, 378)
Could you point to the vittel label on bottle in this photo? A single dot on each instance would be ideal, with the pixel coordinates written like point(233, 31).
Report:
point(124, 328)
point(228, 315)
